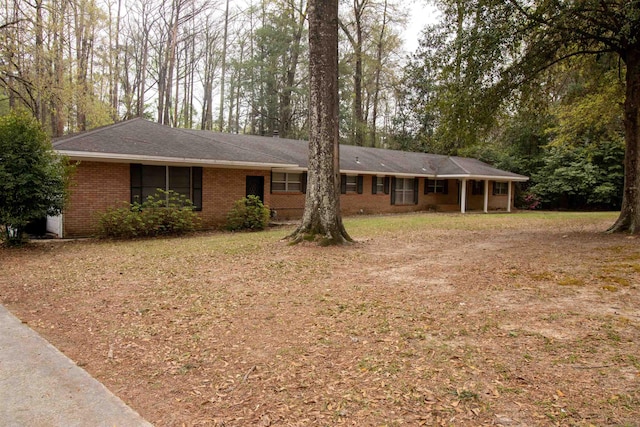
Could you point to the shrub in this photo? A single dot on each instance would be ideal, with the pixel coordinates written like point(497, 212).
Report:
point(530, 201)
point(248, 213)
point(164, 213)
point(33, 178)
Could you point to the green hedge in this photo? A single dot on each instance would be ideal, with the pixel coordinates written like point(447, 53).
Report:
point(248, 213)
point(164, 213)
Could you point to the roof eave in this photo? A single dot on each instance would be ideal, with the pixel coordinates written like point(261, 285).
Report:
point(128, 158)
point(386, 173)
point(488, 177)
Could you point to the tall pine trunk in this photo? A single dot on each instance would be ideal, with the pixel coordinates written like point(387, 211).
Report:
point(322, 220)
point(292, 68)
point(376, 89)
point(629, 219)
point(224, 68)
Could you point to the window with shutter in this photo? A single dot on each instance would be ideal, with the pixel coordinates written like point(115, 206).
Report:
point(437, 186)
point(500, 188)
point(146, 180)
point(286, 182)
point(404, 191)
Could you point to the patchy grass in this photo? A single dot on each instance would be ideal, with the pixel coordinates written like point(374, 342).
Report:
point(430, 319)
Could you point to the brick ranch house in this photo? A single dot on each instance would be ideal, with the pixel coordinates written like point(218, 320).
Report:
point(129, 160)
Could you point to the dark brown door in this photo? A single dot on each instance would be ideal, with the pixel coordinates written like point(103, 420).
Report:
point(255, 186)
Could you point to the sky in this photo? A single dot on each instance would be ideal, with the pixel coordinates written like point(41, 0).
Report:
point(421, 14)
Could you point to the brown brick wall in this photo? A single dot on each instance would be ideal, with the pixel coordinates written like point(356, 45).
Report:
point(290, 205)
point(95, 187)
point(287, 205)
point(98, 186)
point(221, 188)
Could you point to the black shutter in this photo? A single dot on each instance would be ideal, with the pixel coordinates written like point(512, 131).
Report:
point(343, 184)
point(374, 185)
point(135, 172)
point(387, 181)
point(445, 187)
point(416, 185)
point(426, 186)
point(303, 181)
point(196, 189)
point(393, 190)
point(360, 184)
point(271, 182)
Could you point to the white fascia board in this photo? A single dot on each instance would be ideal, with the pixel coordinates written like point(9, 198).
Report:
point(357, 172)
point(159, 160)
point(387, 173)
point(293, 169)
point(485, 177)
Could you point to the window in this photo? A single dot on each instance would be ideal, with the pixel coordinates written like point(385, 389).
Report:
point(286, 182)
point(380, 185)
point(438, 186)
point(405, 191)
point(500, 188)
point(147, 179)
point(477, 188)
point(351, 184)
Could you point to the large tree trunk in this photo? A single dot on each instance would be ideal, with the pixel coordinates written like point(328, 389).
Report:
point(322, 220)
point(629, 219)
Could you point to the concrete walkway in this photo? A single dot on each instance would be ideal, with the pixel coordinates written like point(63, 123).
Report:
point(40, 386)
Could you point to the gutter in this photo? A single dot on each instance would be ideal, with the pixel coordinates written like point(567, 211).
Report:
point(161, 160)
point(489, 177)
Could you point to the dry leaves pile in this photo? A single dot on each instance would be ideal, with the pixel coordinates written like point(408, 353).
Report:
point(432, 319)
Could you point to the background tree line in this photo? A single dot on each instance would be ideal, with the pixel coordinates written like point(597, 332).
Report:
point(232, 66)
point(537, 88)
point(525, 86)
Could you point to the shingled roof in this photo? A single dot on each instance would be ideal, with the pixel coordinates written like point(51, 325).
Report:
point(142, 141)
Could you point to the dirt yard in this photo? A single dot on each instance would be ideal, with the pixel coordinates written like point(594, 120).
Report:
point(430, 319)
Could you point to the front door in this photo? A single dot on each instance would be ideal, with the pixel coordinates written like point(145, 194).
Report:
point(255, 186)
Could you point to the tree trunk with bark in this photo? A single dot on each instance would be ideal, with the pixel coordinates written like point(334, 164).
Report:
point(322, 220)
point(378, 72)
point(292, 68)
point(225, 40)
point(629, 219)
point(356, 39)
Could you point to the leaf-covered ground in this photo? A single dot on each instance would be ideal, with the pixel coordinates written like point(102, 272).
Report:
point(430, 319)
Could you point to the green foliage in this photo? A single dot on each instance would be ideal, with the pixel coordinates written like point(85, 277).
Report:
point(164, 213)
point(450, 84)
point(33, 178)
point(582, 175)
point(583, 161)
point(248, 213)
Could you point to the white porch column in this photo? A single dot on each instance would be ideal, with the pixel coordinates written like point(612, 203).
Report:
point(463, 196)
point(486, 196)
point(508, 196)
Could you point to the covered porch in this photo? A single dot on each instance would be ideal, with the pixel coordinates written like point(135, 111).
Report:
point(483, 194)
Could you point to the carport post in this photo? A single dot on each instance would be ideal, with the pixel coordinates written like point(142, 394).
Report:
point(486, 195)
point(508, 196)
point(463, 196)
